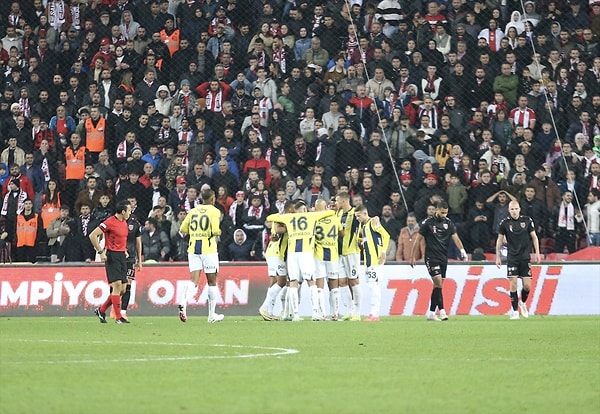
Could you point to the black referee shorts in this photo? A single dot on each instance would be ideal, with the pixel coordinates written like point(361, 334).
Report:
point(436, 268)
point(520, 268)
point(116, 267)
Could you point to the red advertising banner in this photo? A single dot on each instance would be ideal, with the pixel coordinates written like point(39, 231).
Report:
point(71, 291)
point(572, 289)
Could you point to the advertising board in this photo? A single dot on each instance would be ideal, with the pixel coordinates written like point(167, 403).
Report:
point(571, 289)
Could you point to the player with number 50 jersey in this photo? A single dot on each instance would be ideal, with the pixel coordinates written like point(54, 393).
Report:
point(203, 225)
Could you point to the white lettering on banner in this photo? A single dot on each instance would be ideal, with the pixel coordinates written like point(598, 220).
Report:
point(132, 295)
point(57, 291)
point(560, 289)
point(161, 292)
point(40, 291)
point(73, 293)
point(240, 293)
point(32, 293)
point(90, 293)
point(8, 296)
point(572, 289)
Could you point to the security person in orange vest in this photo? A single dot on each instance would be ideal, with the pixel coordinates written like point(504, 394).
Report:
point(76, 157)
point(94, 133)
point(170, 36)
point(29, 225)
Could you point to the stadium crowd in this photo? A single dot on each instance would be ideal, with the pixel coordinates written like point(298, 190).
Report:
point(401, 103)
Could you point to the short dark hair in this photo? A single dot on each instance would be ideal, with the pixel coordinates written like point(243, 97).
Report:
point(360, 207)
point(441, 205)
point(207, 195)
point(122, 206)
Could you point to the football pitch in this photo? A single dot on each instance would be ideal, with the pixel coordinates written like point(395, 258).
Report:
point(470, 364)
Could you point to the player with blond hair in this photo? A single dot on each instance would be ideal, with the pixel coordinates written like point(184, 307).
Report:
point(327, 261)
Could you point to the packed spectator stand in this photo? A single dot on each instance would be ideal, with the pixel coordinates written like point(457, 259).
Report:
point(401, 103)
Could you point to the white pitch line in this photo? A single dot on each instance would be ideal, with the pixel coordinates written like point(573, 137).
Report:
point(278, 352)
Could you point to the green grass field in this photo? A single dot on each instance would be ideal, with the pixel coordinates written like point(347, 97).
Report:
point(245, 365)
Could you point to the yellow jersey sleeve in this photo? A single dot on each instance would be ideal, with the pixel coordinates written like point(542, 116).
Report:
point(273, 247)
point(277, 248)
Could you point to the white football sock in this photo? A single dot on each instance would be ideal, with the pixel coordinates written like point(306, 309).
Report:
point(334, 301)
point(356, 300)
point(284, 296)
point(188, 290)
point(346, 297)
point(213, 295)
point(293, 300)
point(321, 296)
point(375, 298)
point(314, 299)
point(272, 293)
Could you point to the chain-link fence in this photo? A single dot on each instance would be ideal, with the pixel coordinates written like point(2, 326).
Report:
point(400, 103)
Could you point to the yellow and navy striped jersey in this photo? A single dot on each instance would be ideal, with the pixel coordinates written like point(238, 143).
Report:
point(203, 225)
point(375, 240)
point(326, 239)
point(300, 228)
point(277, 248)
point(348, 244)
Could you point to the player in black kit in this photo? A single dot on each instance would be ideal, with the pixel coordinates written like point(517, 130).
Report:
point(518, 232)
point(437, 231)
point(134, 258)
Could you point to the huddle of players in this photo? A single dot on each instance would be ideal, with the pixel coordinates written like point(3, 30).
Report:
point(309, 246)
point(353, 231)
point(324, 244)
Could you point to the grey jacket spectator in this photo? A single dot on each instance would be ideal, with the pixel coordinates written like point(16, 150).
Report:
point(155, 243)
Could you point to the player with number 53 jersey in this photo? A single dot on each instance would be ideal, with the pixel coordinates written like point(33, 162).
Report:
point(375, 240)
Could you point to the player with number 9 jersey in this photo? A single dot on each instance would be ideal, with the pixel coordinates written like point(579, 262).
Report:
point(349, 225)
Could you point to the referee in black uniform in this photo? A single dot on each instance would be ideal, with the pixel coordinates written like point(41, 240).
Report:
point(518, 232)
point(437, 230)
